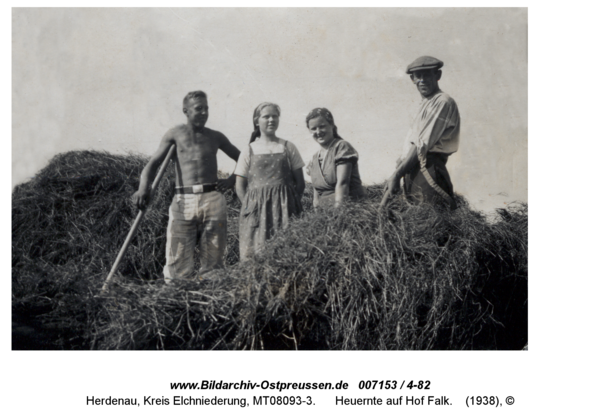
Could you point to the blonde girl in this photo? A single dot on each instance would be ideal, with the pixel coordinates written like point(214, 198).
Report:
point(269, 181)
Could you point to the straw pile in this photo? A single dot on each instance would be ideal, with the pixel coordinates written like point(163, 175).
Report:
point(356, 278)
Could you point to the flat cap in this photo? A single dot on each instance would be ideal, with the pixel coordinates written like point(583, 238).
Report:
point(424, 62)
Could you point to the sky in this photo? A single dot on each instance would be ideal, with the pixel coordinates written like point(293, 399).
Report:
point(114, 80)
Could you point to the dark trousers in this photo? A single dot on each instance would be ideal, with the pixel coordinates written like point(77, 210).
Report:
point(418, 190)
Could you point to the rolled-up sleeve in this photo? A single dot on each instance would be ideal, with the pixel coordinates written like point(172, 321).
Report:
point(345, 153)
point(295, 158)
point(439, 128)
point(243, 165)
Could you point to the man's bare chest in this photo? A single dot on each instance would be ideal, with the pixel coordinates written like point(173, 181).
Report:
point(195, 146)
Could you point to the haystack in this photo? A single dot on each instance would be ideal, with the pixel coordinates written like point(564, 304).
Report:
point(357, 278)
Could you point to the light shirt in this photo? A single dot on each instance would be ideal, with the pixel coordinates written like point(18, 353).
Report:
point(435, 127)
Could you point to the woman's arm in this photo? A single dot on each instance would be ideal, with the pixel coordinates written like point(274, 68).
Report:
point(315, 198)
point(241, 185)
point(299, 181)
point(342, 187)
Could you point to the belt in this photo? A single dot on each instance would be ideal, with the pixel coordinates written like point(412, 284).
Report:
point(196, 189)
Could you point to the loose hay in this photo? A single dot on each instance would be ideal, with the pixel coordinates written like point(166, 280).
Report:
point(357, 278)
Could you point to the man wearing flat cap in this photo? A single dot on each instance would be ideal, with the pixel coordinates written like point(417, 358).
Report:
point(432, 138)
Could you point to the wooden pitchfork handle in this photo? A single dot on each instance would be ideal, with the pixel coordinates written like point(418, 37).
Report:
point(137, 221)
point(385, 199)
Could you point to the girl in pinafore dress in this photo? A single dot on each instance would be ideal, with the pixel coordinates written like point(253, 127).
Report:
point(269, 182)
point(334, 168)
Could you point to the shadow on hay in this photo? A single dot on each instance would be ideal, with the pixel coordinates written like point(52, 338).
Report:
point(357, 278)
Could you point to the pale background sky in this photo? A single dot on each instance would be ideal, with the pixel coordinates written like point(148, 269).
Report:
point(114, 79)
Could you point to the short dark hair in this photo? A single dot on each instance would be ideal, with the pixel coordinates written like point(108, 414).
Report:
point(193, 95)
point(326, 114)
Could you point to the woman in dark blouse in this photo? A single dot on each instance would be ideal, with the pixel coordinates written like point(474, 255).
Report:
point(334, 168)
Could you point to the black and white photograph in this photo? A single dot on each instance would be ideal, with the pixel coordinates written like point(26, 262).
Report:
point(379, 199)
point(205, 184)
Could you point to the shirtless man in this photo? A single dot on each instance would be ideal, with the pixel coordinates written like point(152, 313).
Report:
point(432, 138)
point(198, 209)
